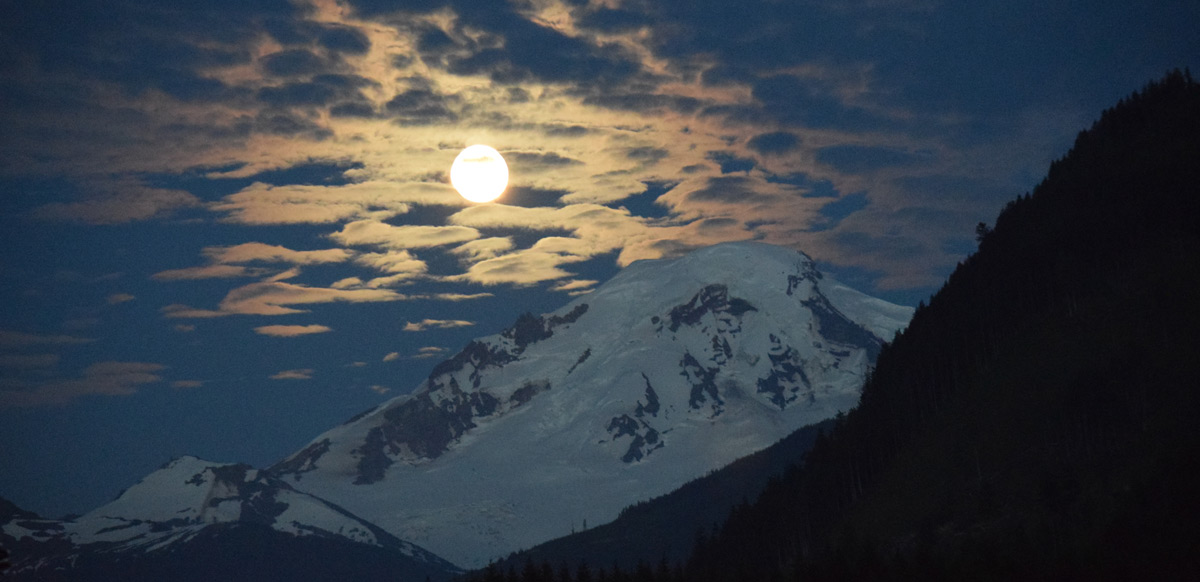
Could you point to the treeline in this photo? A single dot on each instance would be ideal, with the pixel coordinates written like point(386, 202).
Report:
point(582, 572)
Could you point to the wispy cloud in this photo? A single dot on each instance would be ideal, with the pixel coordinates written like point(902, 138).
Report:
point(298, 374)
point(291, 330)
point(9, 339)
point(183, 384)
point(118, 204)
point(29, 361)
point(276, 297)
point(298, 204)
point(429, 352)
point(391, 357)
point(382, 234)
point(262, 252)
point(436, 324)
point(120, 298)
point(206, 272)
point(102, 378)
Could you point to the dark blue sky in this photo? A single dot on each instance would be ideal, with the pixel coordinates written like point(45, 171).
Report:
point(227, 225)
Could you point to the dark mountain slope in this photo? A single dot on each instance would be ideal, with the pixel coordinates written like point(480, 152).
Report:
point(666, 527)
point(1038, 419)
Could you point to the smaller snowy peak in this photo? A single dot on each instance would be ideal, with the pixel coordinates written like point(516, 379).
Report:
point(188, 494)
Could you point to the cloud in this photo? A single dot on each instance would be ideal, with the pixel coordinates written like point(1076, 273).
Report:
point(206, 272)
point(119, 298)
point(181, 384)
point(453, 296)
point(102, 378)
point(291, 330)
point(28, 361)
point(400, 261)
point(519, 268)
point(429, 352)
point(123, 203)
point(574, 285)
point(17, 339)
point(184, 328)
point(376, 388)
point(391, 357)
point(436, 324)
point(374, 232)
point(484, 248)
point(275, 298)
point(858, 159)
point(299, 374)
point(256, 251)
point(262, 203)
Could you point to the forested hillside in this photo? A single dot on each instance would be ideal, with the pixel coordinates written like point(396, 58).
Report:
point(1038, 419)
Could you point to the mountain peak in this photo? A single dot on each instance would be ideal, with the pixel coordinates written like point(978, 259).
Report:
point(672, 368)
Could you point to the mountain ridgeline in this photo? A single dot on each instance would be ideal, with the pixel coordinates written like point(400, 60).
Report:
point(1036, 421)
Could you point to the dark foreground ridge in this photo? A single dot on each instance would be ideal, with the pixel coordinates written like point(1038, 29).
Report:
point(1037, 421)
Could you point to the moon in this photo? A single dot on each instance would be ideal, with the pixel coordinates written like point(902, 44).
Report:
point(479, 173)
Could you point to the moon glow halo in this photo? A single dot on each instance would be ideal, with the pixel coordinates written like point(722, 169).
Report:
point(479, 173)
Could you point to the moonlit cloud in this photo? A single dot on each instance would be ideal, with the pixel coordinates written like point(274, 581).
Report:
point(391, 357)
point(102, 378)
point(276, 297)
point(290, 330)
point(376, 233)
point(436, 324)
point(206, 272)
point(119, 298)
point(260, 204)
point(298, 374)
point(393, 262)
point(519, 268)
point(124, 203)
point(255, 251)
point(484, 248)
point(29, 361)
point(429, 352)
point(15, 339)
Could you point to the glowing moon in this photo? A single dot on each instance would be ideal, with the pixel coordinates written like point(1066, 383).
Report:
point(479, 173)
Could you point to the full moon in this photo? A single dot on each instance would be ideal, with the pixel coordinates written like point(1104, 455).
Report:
point(479, 173)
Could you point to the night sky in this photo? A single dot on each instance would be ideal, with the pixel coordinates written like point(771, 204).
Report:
point(227, 225)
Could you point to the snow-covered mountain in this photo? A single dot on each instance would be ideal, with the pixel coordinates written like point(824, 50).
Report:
point(186, 499)
point(670, 370)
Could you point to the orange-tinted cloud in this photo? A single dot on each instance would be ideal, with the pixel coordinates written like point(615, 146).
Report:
point(291, 330)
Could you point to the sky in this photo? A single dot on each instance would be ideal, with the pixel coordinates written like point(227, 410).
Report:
point(227, 225)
